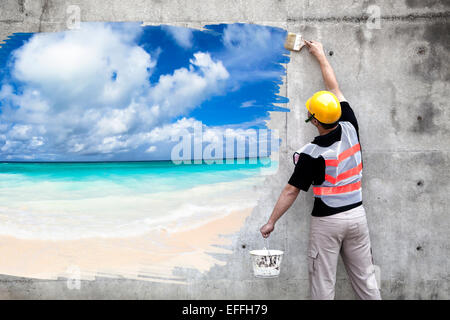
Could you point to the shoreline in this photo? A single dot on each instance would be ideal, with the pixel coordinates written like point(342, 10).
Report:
point(125, 215)
point(192, 161)
point(151, 257)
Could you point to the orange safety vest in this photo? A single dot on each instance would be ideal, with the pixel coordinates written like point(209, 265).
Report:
point(343, 168)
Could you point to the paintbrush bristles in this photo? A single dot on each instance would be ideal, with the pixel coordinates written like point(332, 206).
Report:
point(294, 42)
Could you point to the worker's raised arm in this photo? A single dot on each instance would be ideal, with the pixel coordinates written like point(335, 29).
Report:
point(316, 49)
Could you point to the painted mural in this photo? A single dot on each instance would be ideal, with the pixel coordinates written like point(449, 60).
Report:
point(130, 150)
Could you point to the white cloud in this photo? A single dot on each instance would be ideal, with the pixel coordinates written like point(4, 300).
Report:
point(247, 104)
point(151, 149)
point(76, 67)
point(247, 44)
point(185, 89)
point(240, 36)
point(249, 48)
point(87, 92)
point(20, 132)
point(166, 132)
point(36, 142)
point(182, 36)
point(165, 137)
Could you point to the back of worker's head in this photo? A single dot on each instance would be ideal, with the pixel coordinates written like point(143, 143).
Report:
point(324, 109)
point(326, 126)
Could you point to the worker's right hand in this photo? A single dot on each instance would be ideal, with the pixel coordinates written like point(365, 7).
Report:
point(315, 48)
point(267, 229)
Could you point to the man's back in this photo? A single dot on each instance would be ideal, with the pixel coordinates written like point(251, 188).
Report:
point(315, 165)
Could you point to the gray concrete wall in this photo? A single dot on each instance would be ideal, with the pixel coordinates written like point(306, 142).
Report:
point(397, 80)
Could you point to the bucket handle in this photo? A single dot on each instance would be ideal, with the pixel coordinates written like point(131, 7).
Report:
point(266, 245)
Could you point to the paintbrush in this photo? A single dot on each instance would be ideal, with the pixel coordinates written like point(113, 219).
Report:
point(294, 42)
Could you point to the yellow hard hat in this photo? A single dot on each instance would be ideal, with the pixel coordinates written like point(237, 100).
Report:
point(324, 106)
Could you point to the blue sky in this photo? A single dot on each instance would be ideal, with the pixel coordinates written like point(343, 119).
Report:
point(120, 91)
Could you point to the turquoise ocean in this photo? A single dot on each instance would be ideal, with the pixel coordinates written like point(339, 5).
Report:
point(74, 200)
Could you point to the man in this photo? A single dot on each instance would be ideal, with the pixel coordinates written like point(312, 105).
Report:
point(332, 163)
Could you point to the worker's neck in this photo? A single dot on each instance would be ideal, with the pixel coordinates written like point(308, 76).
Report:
point(323, 131)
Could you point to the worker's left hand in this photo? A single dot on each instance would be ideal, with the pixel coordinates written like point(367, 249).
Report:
point(267, 229)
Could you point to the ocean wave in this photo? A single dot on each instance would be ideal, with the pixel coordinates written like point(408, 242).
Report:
point(91, 213)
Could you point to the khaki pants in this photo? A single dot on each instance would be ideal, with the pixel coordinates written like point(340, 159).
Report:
point(345, 233)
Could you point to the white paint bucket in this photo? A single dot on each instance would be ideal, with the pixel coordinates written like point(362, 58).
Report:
point(266, 263)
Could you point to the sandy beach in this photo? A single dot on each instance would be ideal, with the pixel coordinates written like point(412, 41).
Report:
point(150, 257)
